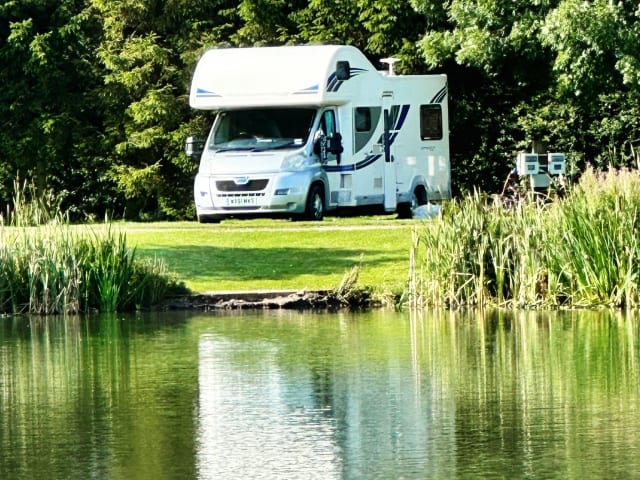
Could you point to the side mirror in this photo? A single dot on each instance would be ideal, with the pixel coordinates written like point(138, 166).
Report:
point(343, 70)
point(328, 144)
point(335, 143)
point(193, 147)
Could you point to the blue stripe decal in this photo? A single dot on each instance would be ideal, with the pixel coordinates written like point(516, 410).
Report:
point(304, 91)
point(402, 117)
point(339, 168)
point(368, 160)
point(201, 92)
point(333, 84)
point(372, 158)
point(439, 96)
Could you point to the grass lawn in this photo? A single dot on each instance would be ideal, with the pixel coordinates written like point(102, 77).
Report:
point(279, 254)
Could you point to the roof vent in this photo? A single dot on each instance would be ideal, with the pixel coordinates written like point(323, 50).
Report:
point(390, 61)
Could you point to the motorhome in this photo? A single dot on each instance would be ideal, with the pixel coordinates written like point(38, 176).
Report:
point(302, 130)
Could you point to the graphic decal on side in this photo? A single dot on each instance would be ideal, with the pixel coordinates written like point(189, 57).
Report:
point(333, 84)
point(308, 90)
point(201, 92)
point(398, 115)
point(438, 97)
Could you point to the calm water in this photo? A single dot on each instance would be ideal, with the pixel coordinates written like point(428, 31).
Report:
point(287, 396)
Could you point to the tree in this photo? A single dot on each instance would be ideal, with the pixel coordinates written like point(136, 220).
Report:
point(265, 22)
point(380, 29)
point(564, 72)
point(596, 67)
point(497, 70)
point(51, 125)
point(148, 52)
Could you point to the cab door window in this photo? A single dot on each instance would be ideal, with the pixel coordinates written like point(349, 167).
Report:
point(326, 129)
point(328, 122)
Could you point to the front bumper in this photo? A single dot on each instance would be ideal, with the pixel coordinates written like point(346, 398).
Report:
point(219, 196)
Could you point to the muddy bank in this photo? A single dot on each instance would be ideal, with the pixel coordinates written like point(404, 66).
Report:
point(318, 300)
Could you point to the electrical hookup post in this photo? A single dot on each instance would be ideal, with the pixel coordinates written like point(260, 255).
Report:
point(540, 174)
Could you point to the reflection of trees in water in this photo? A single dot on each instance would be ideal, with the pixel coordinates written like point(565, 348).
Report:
point(79, 395)
point(448, 393)
point(529, 386)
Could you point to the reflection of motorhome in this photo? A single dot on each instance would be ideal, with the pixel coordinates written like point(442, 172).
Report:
point(304, 129)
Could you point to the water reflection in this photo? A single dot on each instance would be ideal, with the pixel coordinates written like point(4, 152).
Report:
point(436, 395)
point(268, 416)
point(284, 395)
point(535, 394)
point(94, 398)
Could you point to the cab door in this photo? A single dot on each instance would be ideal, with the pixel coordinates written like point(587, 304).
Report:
point(328, 129)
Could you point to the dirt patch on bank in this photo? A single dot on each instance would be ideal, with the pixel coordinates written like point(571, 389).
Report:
point(319, 300)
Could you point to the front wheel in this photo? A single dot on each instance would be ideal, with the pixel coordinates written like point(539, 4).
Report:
point(314, 209)
point(208, 219)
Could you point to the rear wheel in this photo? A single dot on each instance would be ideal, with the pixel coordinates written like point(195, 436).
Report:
point(314, 209)
point(418, 198)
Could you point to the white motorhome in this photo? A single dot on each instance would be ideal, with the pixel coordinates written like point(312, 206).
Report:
point(301, 130)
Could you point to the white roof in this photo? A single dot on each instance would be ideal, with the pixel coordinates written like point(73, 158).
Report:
point(290, 75)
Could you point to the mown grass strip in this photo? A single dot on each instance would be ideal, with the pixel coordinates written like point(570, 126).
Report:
point(273, 254)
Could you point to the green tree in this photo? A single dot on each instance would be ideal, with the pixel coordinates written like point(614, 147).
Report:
point(563, 72)
point(148, 52)
point(596, 66)
point(497, 70)
point(265, 22)
point(50, 113)
point(381, 28)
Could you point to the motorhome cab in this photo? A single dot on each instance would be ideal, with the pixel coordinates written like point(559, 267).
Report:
point(302, 130)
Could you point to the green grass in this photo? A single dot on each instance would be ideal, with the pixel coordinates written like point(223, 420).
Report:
point(279, 254)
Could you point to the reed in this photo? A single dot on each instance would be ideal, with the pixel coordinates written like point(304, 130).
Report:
point(597, 255)
point(56, 267)
point(581, 250)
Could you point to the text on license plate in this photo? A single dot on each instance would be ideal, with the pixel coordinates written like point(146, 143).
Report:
point(241, 201)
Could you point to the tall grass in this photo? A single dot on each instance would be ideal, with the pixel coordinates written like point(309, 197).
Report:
point(582, 250)
point(49, 266)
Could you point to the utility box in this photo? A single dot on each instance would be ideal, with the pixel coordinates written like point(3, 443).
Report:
point(528, 164)
point(556, 164)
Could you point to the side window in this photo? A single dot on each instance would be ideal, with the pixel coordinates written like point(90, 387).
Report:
point(431, 122)
point(328, 122)
point(363, 119)
point(365, 122)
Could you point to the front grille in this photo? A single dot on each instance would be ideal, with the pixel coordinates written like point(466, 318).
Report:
point(250, 186)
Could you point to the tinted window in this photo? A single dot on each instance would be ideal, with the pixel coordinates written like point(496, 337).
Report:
point(430, 122)
point(363, 119)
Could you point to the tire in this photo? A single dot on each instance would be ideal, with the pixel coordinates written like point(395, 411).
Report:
point(418, 198)
point(207, 219)
point(314, 208)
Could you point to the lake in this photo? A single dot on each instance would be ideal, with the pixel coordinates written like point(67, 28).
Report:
point(288, 395)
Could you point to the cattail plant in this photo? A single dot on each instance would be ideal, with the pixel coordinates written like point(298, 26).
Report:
point(49, 266)
point(581, 250)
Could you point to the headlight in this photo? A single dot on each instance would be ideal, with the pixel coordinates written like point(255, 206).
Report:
point(298, 161)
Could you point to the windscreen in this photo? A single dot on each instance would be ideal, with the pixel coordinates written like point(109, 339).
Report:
point(262, 129)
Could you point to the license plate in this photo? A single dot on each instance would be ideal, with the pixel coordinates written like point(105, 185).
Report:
point(241, 201)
